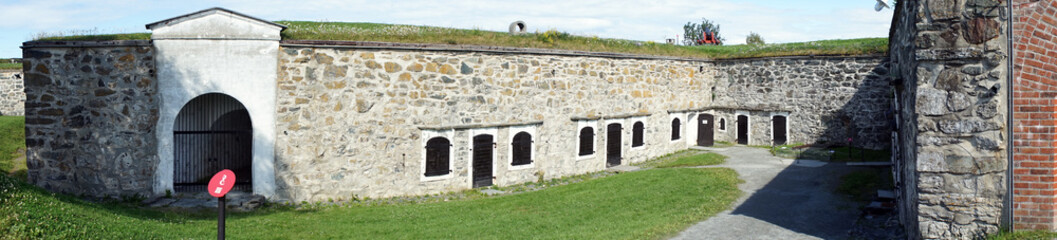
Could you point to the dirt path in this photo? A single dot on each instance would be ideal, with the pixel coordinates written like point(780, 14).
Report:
point(784, 199)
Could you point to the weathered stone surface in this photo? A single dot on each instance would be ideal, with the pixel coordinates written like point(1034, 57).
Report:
point(957, 161)
point(956, 101)
point(950, 150)
point(967, 126)
point(950, 80)
point(932, 102)
point(944, 9)
point(12, 95)
point(831, 99)
point(466, 69)
point(87, 126)
point(980, 30)
point(367, 141)
point(987, 110)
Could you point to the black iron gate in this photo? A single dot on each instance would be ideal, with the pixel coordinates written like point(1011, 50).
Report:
point(213, 132)
point(613, 144)
point(779, 130)
point(704, 130)
point(743, 129)
point(483, 146)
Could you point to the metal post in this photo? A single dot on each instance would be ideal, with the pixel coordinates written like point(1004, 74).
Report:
point(221, 205)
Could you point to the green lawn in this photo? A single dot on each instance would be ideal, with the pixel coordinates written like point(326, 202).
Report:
point(684, 158)
point(703, 159)
point(549, 39)
point(647, 204)
point(850, 154)
point(8, 65)
point(862, 185)
point(1024, 235)
point(12, 145)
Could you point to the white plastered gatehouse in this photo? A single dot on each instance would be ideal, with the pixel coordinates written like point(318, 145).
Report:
point(222, 58)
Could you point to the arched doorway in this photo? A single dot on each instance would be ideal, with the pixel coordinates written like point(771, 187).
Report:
point(212, 132)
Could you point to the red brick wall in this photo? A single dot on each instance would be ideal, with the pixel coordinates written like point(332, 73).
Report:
point(1035, 114)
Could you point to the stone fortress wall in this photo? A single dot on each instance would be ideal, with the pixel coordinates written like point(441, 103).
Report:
point(12, 94)
point(352, 121)
point(950, 66)
point(827, 99)
point(352, 118)
point(91, 112)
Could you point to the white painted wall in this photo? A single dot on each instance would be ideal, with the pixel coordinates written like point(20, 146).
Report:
point(218, 52)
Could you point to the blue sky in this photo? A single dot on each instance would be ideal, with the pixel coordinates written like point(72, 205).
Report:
point(776, 21)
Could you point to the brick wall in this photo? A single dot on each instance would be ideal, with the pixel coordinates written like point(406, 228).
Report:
point(1034, 92)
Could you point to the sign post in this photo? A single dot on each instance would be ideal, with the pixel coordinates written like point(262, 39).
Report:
point(219, 186)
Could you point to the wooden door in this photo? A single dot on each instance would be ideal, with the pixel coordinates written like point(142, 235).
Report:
point(483, 145)
point(613, 144)
point(705, 128)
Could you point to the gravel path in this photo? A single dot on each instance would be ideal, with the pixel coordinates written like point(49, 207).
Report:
point(783, 199)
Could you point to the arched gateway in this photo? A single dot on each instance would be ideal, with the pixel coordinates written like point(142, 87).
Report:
point(212, 132)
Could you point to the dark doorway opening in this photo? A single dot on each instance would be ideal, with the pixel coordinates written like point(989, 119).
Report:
point(780, 128)
point(705, 129)
point(743, 129)
point(212, 132)
point(636, 134)
point(483, 146)
point(613, 144)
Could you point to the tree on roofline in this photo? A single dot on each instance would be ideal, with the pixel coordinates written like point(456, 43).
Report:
point(701, 34)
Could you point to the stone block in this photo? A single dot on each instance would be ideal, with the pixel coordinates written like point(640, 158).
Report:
point(940, 10)
point(963, 126)
point(931, 102)
point(981, 29)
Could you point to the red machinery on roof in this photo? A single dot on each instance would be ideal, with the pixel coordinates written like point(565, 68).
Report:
point(708, 37)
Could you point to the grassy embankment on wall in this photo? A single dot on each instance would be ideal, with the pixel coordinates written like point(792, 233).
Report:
point(550, 39)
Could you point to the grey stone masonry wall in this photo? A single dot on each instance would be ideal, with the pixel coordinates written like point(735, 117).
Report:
point(951, 60)
point(827, 99)
point(351, 120)
point(12, 94)
point(90, 118)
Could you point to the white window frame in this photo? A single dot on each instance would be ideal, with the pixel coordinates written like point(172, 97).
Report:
point(788, 124)
point(644, 128)
point(580, 125)
point(426, 136)
point(748, 125)
point(469, 152)
point(682, 127)
point(531, 130)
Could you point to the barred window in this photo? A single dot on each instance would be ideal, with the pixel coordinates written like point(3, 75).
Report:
point(438, 156)
point(521, 149)
point(722, 124)
point(636, 134)
point(587, 141)
point(675, 129)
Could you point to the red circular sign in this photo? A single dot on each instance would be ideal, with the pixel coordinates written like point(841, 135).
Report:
point(221, 183)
